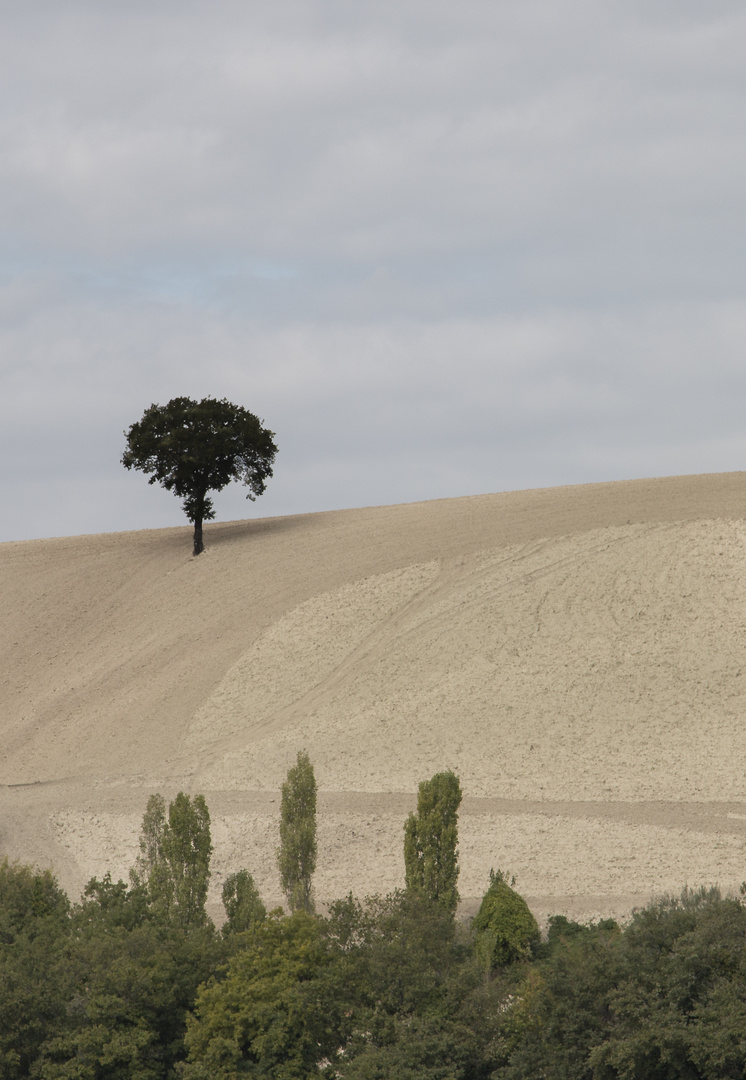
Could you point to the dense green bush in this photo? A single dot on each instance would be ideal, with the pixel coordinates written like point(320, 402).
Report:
point(34, 929)
point(504, 928)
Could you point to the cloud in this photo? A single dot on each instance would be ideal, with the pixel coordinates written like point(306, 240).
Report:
point(440, 249)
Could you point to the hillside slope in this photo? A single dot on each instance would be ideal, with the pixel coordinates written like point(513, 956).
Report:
point(575, 654)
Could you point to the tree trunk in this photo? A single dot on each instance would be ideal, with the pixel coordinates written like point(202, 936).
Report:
point(198, 545)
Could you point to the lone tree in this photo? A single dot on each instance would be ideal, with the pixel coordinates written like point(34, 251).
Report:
point(431, 842)
point(192, 447)
point(296, 855)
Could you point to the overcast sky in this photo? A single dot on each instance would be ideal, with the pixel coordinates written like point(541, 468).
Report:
point(440, 248)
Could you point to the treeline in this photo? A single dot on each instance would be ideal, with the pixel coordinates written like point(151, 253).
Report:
point(136, 982)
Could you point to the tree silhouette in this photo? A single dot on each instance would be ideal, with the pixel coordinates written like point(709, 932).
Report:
point(192, 447)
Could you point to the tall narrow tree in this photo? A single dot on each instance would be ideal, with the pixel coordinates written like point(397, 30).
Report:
point(174, 860)
point(431, 841)
point(188, 849)
point(296, 855)
point(151, 870)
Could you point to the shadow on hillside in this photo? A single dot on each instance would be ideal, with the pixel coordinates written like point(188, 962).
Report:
point(227, 533)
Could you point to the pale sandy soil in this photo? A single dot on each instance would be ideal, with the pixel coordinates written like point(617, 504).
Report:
point(577, 655)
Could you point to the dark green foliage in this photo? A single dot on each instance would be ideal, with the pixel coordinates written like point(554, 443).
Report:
point(31, 903)
point(127, 986)
point(174, 862)
point(561, 1011)
point(98, 991)
point(192, 447)
point(266, 1017)
point(110, 905)
point(410, 948)
point(679, 1008)
point(560, 928)
point(411, 1000)
point(504, 928)
point(431, 841)
point(34, 928)
point(296, 855)
point(188, 848)
point(663, 1000)
point(242, 902)
point(127, 996)
point(417, 1048)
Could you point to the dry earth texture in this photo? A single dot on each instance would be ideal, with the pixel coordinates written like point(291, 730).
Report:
point(575, 654)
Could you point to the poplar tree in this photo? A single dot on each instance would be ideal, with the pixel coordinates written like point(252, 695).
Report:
point(431, 842)
point(188, 849)
point(296, 855)
point(174, 860)
point(151, 870)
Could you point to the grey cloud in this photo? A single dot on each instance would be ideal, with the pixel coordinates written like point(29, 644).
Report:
point(375, 413)
point(366, 140)
point(440, 248)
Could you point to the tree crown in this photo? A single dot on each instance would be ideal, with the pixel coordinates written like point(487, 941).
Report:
point(431, 841)
point(192, 447)
point(296, 855)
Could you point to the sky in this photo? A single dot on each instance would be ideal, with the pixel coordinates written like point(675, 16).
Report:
point(439, 248)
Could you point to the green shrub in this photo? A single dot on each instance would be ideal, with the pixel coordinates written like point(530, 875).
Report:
point(504, 927)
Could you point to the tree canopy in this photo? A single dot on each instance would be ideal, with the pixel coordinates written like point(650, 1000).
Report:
point(193, 447)
point(296, 855)
point(431, 841)
point(123, 986)
point(174, 860)
point(505, 929)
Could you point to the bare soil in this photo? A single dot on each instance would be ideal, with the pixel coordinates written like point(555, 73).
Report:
point(577, 655)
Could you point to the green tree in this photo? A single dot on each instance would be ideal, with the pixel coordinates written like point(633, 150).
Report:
point(129, 988)
point(111, 904)
point(411, 1001)
point(679, 1007)
point(663, 999)
point(151, 870)
point(431, 841)
point(174, 860)
point(296, 855)
point(266, 1017)
point(193, 447)
point(188, 850)
point(504, 928)
point(34, 931)
point(561, 1011)
point(242, 902)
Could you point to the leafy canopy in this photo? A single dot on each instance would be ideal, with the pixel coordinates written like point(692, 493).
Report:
point(242, 902)
point(296, 856)
point(505, 929)
point(431, 841)
point(174, 861)
point(192, 447)
point(265, 1017)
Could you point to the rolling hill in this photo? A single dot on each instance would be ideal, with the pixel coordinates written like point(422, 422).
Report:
point(577, 655)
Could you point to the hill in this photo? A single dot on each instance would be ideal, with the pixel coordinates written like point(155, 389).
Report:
point(575, 654)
